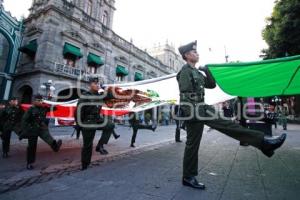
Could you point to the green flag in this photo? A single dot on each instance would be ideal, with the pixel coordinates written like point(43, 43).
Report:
point(259, 79)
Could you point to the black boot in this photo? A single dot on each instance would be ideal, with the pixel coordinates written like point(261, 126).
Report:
point(244, 144)
point(154, 127)
point(271, 144)
point(101, 149)
point(29, 167)
point(5, 155)
point(56, 145)
point(132, 145)
point(116, 136)
point(192, 182)
point(84, 166)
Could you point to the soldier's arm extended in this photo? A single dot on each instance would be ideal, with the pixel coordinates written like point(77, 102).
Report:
point(210, 82)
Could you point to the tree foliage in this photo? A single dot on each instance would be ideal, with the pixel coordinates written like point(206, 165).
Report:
point(282, 32)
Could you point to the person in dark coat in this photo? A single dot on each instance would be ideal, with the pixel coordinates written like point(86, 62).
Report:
point(34, 125)
point(10, 122)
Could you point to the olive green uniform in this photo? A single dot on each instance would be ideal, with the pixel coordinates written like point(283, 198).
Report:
point(11, 121)
point(136, 125)
point(33, 126)
point(191, 85)
point(90, 120)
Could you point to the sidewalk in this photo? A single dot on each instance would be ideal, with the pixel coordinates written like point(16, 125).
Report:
point(229, 171)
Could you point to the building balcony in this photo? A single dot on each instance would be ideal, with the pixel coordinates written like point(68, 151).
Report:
point(74, 72)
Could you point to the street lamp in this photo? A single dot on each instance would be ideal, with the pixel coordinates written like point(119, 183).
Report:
point(49, 89)
point(277, 100)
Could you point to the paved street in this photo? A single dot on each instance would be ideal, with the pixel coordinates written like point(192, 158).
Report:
point(153, 171)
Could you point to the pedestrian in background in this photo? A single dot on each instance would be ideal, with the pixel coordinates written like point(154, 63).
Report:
point(11, 117)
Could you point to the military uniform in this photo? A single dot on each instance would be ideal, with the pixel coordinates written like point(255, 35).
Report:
point(192, 84)
point(34, 125)
point(136, 125)
point(90, 120)
point(11, 121)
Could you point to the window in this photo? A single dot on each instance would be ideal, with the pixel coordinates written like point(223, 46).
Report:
point(89, 7)
point(4, 52)
point(92, 69)
point(69, 61)
point(104, 19)
point(120, 78)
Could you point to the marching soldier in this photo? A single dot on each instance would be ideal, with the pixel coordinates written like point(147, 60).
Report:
point(191, 85)
point(90, 120)
point(11, 121)
point(136, 125)
point(34, 125)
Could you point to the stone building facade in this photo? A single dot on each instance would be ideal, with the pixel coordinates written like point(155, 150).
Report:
point(167, 55)
point(68, 41)
point(10, 40)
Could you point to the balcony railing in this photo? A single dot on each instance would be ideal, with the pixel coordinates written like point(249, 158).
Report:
point(75, 72)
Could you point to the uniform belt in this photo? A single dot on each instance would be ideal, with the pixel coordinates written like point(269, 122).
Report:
point(193, 96)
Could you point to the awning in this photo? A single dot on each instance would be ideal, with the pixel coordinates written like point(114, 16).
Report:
point(138, 76)
point(70, 49)
point(95, 60)
point(121, 71)
point(30, 48)
point(259, 79)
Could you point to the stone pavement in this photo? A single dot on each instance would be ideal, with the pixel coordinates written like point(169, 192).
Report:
point(49, 165)
point(229, 171)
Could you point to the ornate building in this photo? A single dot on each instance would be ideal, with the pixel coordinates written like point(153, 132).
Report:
point(10, 40)
point(67, 41)
point(167, 55)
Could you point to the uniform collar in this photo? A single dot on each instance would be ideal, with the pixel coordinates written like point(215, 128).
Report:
point(188, 65)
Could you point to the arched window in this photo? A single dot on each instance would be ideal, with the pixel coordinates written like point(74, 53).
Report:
point(4, 52)
point(104, 19)
point(89, 7)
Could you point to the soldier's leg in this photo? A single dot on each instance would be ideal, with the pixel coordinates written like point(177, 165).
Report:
point(78, 129)
point(177, 132)
point(86, 151)
point(31, 149)
point(47, 137)
point(106, 133)
point(6, 142)
point(190, 160)
point(252, 137)
point(134, 134)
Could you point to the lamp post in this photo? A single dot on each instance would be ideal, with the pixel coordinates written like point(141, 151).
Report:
point(49, 88)
point(277, 100)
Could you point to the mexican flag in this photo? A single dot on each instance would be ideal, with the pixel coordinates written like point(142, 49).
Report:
point(253, 79)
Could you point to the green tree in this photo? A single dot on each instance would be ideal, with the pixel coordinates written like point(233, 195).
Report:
point(282, 32)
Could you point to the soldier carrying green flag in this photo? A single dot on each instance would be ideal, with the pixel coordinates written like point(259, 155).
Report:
point(191, 85)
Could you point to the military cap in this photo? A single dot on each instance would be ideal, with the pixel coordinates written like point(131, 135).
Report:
point(94, 80)
point(13, 98)
point(38, 97)
point(188, 47)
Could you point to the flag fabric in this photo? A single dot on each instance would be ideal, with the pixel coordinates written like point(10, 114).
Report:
point(259, 79)
point(161, 91)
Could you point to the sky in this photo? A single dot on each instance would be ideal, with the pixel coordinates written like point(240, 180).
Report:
point(234, 25)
